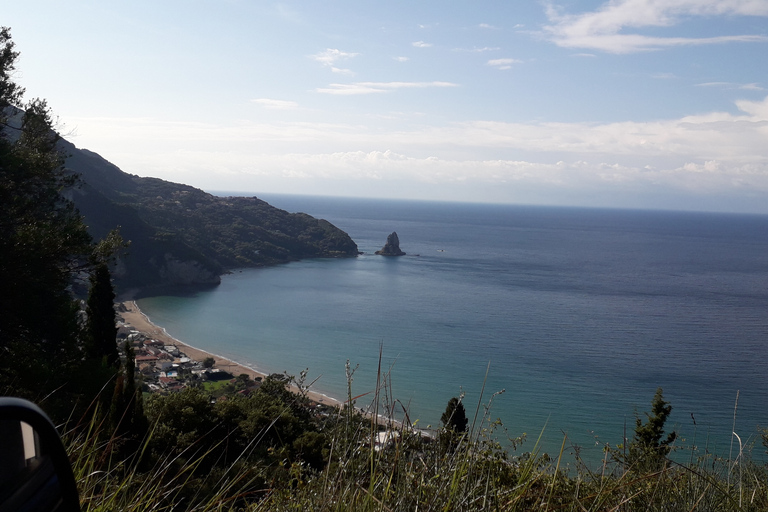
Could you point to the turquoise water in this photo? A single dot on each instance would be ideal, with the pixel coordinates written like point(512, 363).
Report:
point(578, 315)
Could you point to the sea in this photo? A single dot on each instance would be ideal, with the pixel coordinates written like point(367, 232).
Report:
point(552, 323)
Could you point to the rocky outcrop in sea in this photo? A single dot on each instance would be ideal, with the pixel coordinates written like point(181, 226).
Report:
point(392, 247)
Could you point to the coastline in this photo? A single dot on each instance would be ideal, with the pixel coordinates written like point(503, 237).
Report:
point(133, 316)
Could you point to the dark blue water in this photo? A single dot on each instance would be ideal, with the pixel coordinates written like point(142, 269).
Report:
point(581, 314)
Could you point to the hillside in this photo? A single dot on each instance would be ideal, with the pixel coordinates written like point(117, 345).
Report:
point(181, 235)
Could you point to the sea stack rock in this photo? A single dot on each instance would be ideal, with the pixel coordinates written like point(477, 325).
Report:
point(392, 247)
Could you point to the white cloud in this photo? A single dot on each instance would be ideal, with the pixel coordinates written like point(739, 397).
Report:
point(401, 59)
point(603, 29)
point(712, 153)
point(330, 56)
point(276, 104)
point(421, 44)
point(755, 109)
point(400, 115)
point(478, 50)
point(350, 89)
point(503, 63)
point(376, 87)
point(714, 84)
point(342, 71)
point(487, 26)
point(380, 167)
point(731, 85)
point(712, 136)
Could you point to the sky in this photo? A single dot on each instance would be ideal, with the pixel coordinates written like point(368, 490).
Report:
point(659, 104)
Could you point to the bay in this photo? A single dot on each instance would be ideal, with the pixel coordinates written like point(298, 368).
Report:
point(578, 315)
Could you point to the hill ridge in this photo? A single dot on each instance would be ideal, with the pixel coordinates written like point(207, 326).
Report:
point(181, 235)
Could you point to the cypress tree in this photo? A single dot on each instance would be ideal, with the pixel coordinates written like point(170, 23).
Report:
point(101, 328)
point(134, 401)
point(129, 389)
point(455, 417)
point(454, 420)
point(117, 407)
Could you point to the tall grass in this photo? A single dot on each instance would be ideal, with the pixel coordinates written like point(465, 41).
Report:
point(415, 471)
point(477, 473)
point(109, 481)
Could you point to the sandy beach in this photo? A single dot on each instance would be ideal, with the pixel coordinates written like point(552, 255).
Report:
point(132, 315)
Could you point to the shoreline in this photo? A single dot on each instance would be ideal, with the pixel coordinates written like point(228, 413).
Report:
point(139, 321)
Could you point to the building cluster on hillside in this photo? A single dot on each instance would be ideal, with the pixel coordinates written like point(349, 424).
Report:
point(165, 369)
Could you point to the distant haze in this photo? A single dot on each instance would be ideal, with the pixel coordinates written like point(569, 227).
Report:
point(637, 104)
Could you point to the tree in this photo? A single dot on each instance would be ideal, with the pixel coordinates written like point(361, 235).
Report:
point(127, 408)
point(131, 394)
point(455, 417)
point(454, 420)
point(10, 92)
point(45, 249)
point(180, 419)
point(117, 406)
point(649, 445)
point(209, 362)
point(43, 244)
point(101, 328)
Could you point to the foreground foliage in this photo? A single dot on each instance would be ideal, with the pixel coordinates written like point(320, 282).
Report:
point(272, 451)
point(45, 253)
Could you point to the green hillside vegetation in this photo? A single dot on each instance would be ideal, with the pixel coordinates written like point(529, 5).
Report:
point(274, 451)
point(167, 220)
point(233, 231)
point(260, 448)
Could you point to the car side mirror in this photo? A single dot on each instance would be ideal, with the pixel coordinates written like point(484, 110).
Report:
point(35, 473)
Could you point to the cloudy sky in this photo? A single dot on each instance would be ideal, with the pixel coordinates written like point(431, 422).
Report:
point(629, 103)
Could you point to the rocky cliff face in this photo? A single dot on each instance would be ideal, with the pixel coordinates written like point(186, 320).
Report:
point(392, 247)
point(177, 272)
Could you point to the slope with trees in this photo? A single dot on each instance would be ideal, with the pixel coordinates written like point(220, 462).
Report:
point(183, 235)
point(45, 249)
